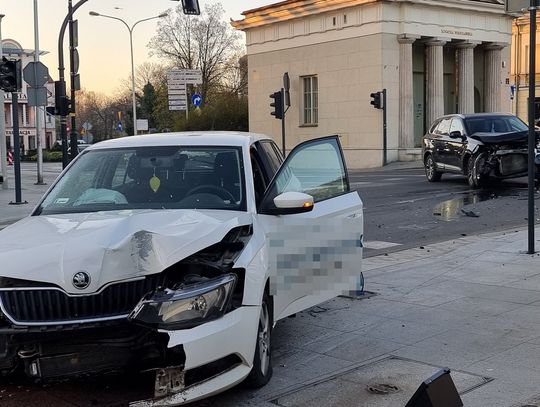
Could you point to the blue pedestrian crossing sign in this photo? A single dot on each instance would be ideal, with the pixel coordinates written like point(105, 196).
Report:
point(196, 99)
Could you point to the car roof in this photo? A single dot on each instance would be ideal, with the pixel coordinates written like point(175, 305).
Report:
point(472, 115)
point(187, 138)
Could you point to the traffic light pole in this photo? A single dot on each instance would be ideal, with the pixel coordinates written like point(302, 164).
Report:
point(61, 78)
point(17, 147)
point(532, 132)
point(283, 122)
point(385, 136)
point(3, 145)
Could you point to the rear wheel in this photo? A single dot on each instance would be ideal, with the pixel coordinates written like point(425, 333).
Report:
point(475, 177)
point(432, 174)
point(262, 362)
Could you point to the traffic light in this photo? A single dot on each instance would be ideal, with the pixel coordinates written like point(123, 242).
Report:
point(277, 104)
point(10, 75)
point(191, 7)
point(376, 100)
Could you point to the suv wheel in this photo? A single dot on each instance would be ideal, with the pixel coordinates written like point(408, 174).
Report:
point(474, 177)
point(432, 174)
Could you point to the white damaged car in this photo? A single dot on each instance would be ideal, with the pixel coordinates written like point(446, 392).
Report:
point(176, 254)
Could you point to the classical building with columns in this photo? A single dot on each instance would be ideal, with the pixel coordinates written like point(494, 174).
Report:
point(432, 57)
point(26, 114)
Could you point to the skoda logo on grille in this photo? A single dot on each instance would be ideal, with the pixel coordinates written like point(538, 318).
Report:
point(81, 280)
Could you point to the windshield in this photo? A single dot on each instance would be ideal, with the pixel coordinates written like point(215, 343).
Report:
point(494, 124)
point(168, 177)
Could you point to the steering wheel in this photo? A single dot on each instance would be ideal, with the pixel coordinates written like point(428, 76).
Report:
point(213, 189)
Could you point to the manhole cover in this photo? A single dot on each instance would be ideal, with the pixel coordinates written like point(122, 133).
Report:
point(388, 382)
point(382, 388)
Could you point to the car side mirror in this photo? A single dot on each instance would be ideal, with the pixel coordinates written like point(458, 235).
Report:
point(456, 134)
point(289, 203)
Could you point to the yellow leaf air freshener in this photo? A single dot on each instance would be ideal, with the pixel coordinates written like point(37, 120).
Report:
point(155, 182)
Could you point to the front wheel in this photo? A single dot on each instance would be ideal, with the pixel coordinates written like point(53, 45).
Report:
point(432, 174)
point(262, 362)
point(475, 177)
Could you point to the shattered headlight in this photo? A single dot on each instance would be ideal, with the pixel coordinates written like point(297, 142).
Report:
point(186, 307)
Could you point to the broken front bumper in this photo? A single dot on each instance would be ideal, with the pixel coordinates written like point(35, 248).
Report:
point(233, 335)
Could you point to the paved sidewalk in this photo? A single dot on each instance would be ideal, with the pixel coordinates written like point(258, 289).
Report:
point(31, 193)
point(471, 304)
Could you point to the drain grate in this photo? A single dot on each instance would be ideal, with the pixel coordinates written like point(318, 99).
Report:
point(382, 388)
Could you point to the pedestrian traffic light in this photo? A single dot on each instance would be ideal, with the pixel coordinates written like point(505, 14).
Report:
point(376, 100)
point(10, 75)
point(277, 105)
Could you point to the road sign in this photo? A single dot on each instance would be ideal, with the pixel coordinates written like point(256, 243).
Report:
point(177, 108)
point(37, 96)
point(36, 74)
point(176, 86)
point(177, 91)
point(177, 102)
point(196, 99)
point(517, 6)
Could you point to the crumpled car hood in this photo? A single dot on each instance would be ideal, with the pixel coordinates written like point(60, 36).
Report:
point(515, 137)
point(109, 246)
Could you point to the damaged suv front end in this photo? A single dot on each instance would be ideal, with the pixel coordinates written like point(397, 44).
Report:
point(499, 156)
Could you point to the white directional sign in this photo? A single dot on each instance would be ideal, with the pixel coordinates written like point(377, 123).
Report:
point(177, 91)
point(177, 81)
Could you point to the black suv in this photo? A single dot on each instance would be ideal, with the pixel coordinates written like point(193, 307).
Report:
point(480, 146)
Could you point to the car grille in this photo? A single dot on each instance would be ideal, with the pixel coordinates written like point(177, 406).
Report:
point(52, 306)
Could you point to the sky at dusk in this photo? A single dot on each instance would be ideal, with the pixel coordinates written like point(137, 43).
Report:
point(103, 43)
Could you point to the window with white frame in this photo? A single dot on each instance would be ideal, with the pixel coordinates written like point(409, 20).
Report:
point(310, 100)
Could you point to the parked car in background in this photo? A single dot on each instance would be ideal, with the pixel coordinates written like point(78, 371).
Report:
point(480, 146)
point(176, 254)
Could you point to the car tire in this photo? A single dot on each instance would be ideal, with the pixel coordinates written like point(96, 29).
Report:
point(475, 179)
point(261, 371)
point(432, 174)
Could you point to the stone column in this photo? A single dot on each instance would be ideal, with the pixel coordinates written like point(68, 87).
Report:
point(406, 105)
point(465, 56)
point(435, 82)
point(493, 78)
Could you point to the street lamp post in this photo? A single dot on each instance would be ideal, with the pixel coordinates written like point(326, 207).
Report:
point(130, 30)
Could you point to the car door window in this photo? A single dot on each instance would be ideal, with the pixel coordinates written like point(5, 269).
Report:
point(315, 167)
point(443, 127)
point(457, 125)
point(274, 159)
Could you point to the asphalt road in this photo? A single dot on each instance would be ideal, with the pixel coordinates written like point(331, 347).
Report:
point(402, 209)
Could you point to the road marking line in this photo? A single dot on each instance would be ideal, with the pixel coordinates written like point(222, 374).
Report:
point(379, 244)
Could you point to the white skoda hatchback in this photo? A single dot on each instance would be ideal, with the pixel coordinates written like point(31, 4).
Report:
point(176, 254)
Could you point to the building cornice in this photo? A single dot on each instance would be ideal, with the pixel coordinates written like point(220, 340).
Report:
point(293, 9)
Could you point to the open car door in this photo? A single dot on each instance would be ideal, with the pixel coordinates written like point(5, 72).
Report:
point(314, 251)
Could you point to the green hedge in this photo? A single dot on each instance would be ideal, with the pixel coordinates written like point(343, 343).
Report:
point(48, 156)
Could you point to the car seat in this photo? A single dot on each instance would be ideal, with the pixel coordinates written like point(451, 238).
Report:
point(226, 172)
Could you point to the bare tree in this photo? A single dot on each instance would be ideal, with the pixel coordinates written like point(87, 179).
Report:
point(235, 76)
point(206, 43)
point(147, 72)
